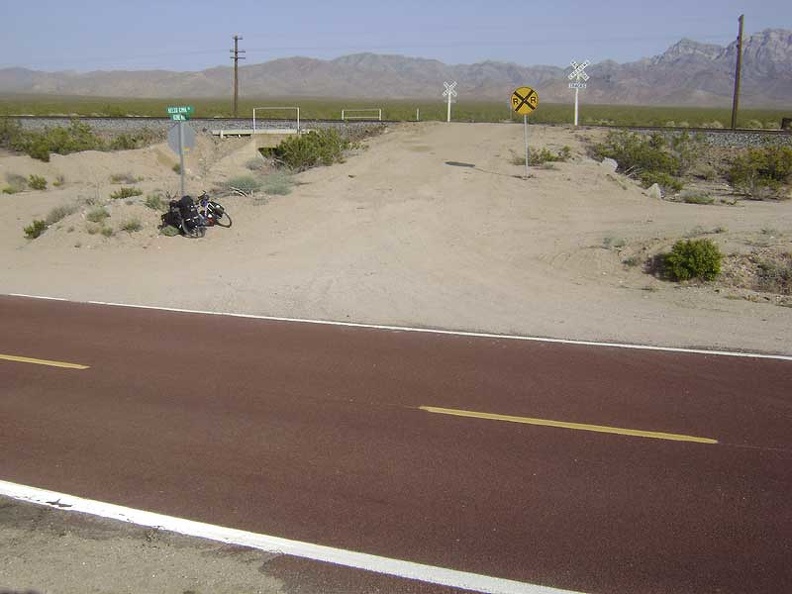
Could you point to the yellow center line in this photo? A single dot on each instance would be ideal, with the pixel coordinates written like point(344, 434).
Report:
point(565, 425)
point(63, 364)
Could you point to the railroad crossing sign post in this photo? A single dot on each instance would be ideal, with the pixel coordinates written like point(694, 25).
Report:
point(450, 93)
point(525, 100)
point(578, 78)
point(180, 114)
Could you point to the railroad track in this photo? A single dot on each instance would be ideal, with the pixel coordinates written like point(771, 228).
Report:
point(716, 136)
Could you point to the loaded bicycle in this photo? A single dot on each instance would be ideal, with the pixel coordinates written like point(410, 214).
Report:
point(192, 218)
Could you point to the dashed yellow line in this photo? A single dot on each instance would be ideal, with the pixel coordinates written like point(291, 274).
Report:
point(63, 364)
point(565, 425)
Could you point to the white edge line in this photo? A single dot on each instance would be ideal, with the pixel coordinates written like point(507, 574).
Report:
point(592, 343)
point(273, 544)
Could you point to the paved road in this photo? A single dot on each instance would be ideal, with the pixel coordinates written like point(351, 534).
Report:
point(355, 438)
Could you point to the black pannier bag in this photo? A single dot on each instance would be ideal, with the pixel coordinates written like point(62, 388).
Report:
point(191, 220)
point(183, 214)
point(172, 218)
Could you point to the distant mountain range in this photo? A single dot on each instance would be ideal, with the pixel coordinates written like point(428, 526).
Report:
point(688, 73)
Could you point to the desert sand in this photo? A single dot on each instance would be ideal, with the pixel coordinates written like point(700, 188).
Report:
point(426, 225)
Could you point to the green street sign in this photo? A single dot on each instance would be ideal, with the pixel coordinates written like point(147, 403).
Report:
point(186, 110)
point(179, 117)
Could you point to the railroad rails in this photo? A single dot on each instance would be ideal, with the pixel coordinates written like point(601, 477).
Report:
point(721, 136)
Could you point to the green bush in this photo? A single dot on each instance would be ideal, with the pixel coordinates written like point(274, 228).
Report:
point(36, 182)
point(126, 192)
point(36, 228)
point(656, 158)
point(761, 171)
point(693, 258)
point(303, 151)
point(39, 144)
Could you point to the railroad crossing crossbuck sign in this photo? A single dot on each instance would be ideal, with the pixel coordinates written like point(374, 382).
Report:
point(524, 100)
point(577, 75)
point(449, 93)
point(578, 78)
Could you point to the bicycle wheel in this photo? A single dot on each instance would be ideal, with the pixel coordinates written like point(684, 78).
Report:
point(224, 220)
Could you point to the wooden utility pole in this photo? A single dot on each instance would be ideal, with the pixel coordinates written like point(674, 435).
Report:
point(236, 58)
point(736, 100)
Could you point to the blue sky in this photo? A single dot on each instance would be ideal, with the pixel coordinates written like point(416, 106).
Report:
point(191, 35)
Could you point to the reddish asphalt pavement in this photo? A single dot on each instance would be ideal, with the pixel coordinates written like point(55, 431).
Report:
point(314, 433)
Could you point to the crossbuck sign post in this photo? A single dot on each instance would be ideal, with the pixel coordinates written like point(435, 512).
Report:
point(578, 78)
point(525, 100)
point(450, 93)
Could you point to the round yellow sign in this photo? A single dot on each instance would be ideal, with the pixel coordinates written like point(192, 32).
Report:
point(524, 100)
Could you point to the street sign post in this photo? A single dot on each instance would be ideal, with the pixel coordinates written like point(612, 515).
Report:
point(450, 93)
point(525, 100)
point(578, 78)
point(180, 114)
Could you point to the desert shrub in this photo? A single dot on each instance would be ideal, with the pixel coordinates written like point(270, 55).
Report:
point(656, 158)
point(97, 215)
point(611, 242)
point(177, 168)
point(243, 184)
point(132, 140)
point(278, 183)
point(35, 229)
point(126, 192)
point(775, 274)
point(123, 142)
point(10, 131)
point(693, 258)
point(662, 179)
point(123, 178)
point(59, 213)
point(59, 181)
point(696, 198)
point(107, 231)
point(761, 171)
point(169, 231)
point(256, 164)
point(542, 156)
point(156, 202)
point(76, 137)
point(16, 183)
point(131, 225)
point(303, 151)
point(36, 182)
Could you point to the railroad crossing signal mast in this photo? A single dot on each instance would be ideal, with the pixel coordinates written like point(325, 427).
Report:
point(450, 93)
point(578, 78)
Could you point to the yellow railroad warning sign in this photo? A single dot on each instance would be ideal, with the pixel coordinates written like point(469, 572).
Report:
point(524, 100)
